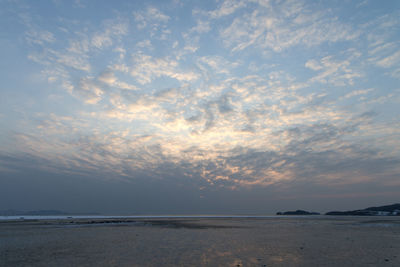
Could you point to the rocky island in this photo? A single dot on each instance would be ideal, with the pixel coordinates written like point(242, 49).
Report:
point(297, 212)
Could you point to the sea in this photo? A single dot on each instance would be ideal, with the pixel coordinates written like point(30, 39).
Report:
point(199, 241)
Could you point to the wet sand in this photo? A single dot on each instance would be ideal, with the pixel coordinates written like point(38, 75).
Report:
point(275, 241)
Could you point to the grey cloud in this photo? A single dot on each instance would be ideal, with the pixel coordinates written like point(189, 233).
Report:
point(312, 155)
point(90, 90)
point(97, 192)
point(107, 77)
point(170, 95)
point(249, 128)
point(209, 117)
point(224, 104)
point(194, 118)
point(216, 109)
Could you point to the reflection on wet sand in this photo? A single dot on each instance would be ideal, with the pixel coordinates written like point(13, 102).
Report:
point(295, 241)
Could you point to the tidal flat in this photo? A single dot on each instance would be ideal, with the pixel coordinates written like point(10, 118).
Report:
point(267, 241)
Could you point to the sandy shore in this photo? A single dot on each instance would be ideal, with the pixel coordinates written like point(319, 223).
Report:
point(277, 241)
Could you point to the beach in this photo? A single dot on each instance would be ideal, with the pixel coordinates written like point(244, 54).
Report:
point(263, 241)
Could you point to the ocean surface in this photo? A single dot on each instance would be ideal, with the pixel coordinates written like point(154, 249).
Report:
point(199, 241)
point(60, 217)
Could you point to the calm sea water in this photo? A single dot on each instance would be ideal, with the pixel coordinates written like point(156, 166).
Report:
point(60, 217)
point(194, 241)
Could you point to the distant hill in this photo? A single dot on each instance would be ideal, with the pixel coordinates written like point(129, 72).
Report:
point(388, 210)
point(297, 212)
point(32, 212)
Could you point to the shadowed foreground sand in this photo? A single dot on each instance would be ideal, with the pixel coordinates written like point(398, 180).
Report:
point(275, 241)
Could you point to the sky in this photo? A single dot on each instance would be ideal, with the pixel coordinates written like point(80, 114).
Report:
point(199, 107)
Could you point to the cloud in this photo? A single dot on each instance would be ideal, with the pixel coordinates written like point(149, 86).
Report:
point(383, 47)
point(90, 90)
point(156, 14)
point(279, 27)
point(382, 40)
point(227, 7)
point(338, 73)
point(248, 116)
point(112, 30)
point(358, 92)
point(79, 4)
point(389, 61)
point(152, 18)
point(218, 64)
point(144, 44)
point(146, 68)
point(39, 37)
point(396, 73)
point(78, 62)
point(201, 27)
point(316, 152)
point(108, 77)
point(313, 64)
